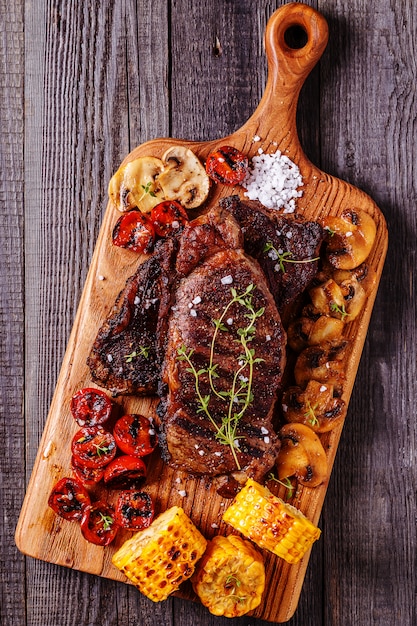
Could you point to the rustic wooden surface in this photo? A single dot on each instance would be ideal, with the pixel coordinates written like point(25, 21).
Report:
point(84, 82)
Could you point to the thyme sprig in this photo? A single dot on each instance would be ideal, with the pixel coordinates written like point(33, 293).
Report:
point(233, 584)
point(107, 521)
point(240, 393)
point(147, 190)
point(284, 483)
point(284, 257)
point(101, 448)
point(310, 414)
point(339, 309)
point(141, 351)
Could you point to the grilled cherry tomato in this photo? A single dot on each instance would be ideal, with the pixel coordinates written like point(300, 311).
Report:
point(134, 510)
point(69, 498)
point(125, 471)
point(87, 475)
point(167, 217)
point(98, 524)
point(134, 230)
point(91, 407)
point(135, 435)
point(227, 165)
point(93, 446)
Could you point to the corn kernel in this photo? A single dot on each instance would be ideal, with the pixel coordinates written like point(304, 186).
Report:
point(230, 578)
point(271, 523)
point(159, 558)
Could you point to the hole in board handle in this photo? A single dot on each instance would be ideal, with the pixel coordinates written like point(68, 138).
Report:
point(295, 37)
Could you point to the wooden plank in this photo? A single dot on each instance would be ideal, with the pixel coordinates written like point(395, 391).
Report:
point(12, 575)
point(85, 84)
point(43, 535)
point(370, 534)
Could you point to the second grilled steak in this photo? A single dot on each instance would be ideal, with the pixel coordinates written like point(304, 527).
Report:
point(287, 247)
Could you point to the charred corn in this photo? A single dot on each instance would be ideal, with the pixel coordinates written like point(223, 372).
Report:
point(271, 523)
point(230, 578)
point(159, 558)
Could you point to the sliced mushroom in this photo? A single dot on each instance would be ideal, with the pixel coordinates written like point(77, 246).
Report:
point(135, 185)
point(324, 363)
point(310, 331)
point(184, 178)
point(315, 406)
point(301, 455)
point(327, 298)
point(350, 238)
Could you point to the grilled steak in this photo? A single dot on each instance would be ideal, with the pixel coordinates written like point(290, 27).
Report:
point(289, 239)
point(215, 274)
point(127, 354)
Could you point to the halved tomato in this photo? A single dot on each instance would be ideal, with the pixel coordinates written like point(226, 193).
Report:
point(125, 471)
point(87, 475)
point(135, 231)
point(167, 217)
point(134, 510)
point(227, 165)
point(98, 524)
point(69, 498)
point(91, 407)
point(93, 446)
point(135, 435)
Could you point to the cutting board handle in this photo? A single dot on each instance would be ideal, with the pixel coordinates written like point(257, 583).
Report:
point(295, 38)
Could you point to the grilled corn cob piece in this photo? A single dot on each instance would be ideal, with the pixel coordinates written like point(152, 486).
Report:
point(159, 558)
point(271, 523)
point(230, 578)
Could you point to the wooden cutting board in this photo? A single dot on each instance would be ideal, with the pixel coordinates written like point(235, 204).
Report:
point(43, 535)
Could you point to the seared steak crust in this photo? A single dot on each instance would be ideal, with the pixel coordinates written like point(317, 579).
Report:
point(127, 353)
point(294, 237)
point(188, 436)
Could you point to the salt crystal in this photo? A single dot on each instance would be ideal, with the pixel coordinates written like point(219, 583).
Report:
point(229, 321)
point(323, 388)
point(109, 358)
point(268, 338)
point(182, 493)
point(193, 313)
point(264, 430)
point(214, 525)
point(101, 277)
point(227, 280)
point(274, 180)
point(197, 300)
point(266, 439)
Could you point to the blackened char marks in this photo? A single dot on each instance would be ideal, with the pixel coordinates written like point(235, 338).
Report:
point(127, 353)
point(293, 237)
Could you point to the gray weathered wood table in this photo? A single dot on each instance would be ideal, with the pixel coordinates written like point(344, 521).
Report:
point(84, 82)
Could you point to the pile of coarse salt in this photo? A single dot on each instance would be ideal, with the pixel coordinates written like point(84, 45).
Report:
point(273, 179)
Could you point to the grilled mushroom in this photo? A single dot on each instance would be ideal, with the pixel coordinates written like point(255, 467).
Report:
point(315, 406)
point(324, 363)
point(135, 185)
point(350, 239)
point(311, 330)
point(301, 455)
point(184, 178)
